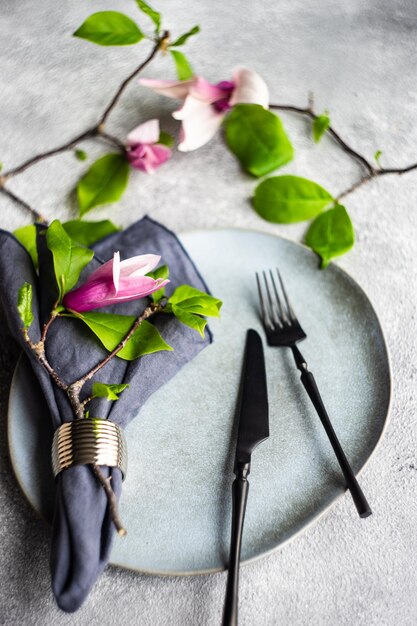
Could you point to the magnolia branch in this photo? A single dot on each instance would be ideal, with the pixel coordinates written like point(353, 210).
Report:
point(90, 132)
point(160, 43)
point(74, 389)
point(98, 130)
point(111, 498)
point(38, 217)
point(371, 171)
point(147, 313)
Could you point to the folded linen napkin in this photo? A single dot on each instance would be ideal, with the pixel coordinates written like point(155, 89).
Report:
point(82, 529)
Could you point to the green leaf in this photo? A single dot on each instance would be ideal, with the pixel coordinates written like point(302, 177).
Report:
point(165, 139)
point(286, 199)
point(112, 329)
point(110, 392)
point(183, 67)
point(195, 301)
point(320, 125)
point(331, 234)
point(377, 156)
point(81, 155)
point(160, 272)
point(189, 319)
point(87, 233)
point(181, 40)
point(103, 183)
point(110, 28)
point(27, 237)
point(69, 257)
point(257, 138)
point(150, 12)
point(24, 305)
point(188, 304)
point(1, 166)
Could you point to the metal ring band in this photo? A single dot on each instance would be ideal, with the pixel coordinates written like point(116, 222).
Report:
point(89, 441)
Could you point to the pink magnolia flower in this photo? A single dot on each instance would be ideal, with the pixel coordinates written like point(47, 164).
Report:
point(114, 282)
point(205, 104)
point(144, 151)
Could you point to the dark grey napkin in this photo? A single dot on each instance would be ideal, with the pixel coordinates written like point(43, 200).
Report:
point(82, 530)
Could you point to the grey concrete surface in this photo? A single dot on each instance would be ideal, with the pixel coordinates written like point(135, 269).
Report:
point(360, 61)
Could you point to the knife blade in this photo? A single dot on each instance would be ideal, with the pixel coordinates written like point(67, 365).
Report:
point(253, 429)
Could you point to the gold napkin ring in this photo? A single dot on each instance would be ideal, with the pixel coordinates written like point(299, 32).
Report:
point(87, 441)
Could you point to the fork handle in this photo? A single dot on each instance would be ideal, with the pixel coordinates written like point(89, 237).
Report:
point(310, 386)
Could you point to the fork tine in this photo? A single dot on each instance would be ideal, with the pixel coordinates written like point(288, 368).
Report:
point(275, 318)
point(283, 316)
point(265, 316)
point(291, 313)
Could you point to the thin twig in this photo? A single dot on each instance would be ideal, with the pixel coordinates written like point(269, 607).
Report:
point(131, 76)
point(153, 308)
point(371, 171)
point(114, 141)
point(87, 400)
point(396, 170)
point(93, 131)
point(38, 217)
point(68, 145)
point(355, 186)
point(111, 498)
point(342, 143)
point(47, 324)
point(38, 349)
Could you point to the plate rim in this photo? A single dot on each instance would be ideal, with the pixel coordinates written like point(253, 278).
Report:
point(307, 525)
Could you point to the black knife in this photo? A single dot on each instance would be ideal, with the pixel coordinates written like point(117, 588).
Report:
point(253, 428)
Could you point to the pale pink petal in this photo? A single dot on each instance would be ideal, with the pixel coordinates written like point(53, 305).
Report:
point(135, 287)
point(138, 157)
point(144, 133)
point(126, 283)
point(104, 272)
point(148, 157)
point(139, 265)
point(116, 270)
point(250, 88)
point(200, 123)
point(157, 155)
point(178, 89)
point(203, 90)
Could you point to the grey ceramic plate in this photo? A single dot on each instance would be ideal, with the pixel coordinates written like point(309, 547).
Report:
point(176, 498)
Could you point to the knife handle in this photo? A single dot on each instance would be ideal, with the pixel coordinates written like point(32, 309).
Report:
point(240, 489)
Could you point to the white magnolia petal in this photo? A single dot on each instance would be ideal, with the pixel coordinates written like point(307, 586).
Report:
point(139, 265)
point(144, 133)
point(116, 270)
point(178, 89)
point(250, 88)
point(200, 122)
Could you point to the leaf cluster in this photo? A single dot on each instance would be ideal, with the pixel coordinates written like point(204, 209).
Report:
point(112, 28)
point(70, 256)
point(259, 141)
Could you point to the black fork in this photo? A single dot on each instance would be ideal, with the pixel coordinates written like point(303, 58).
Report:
point(283, 329)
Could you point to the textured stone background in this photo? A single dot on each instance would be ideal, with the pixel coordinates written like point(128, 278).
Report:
point(359, 59)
